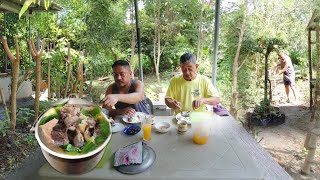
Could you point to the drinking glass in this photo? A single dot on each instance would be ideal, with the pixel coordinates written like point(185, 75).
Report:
point(146, 124)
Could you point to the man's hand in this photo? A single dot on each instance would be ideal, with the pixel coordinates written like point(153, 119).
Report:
point(176, 104)
point(128, 111)
point(197, 103)
point(110, 100)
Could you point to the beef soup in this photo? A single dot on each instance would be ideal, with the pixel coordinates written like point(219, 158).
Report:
point(73, 132)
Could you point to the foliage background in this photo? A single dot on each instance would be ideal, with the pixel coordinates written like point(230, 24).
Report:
point(99, 32)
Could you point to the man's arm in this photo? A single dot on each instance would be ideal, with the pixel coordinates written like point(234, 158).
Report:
point(173, 104)
point(114, 112)
point(131, 98)
point(135, 97)
point(211, 96)
point(210, 101)
point(284, 68)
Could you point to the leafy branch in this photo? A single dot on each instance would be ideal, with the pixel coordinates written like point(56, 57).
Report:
point(27, 3)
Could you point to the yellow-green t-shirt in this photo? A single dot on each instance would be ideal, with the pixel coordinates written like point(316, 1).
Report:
point(187, 91)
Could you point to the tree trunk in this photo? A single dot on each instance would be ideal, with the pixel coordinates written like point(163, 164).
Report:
point(155, 40)
point(133, 40)
point(38, 84)
point(49, 79)
point(74, 86)
point(37, 57)
point(200, 34)
point(49, 72)
point(234, 100)
point(69, 64)
point(157, 37)
point(266, 80)
point(81, 80)
point(158, 56)
point(15, 60)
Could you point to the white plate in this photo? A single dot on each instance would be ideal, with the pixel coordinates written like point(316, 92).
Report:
point(179, 117)
point(135, 119)
point(117, 127)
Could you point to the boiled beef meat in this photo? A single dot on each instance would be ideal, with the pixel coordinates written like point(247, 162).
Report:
point(59, 134)
point(91, 122)
point(78, 140)
point(71, 121)
point(45, 131)
point(69, 110)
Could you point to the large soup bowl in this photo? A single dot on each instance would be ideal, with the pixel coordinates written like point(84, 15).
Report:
point(72, 164)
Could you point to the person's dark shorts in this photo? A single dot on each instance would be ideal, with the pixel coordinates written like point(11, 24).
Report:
point(289, 79)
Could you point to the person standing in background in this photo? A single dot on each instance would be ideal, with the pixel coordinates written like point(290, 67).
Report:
point(288, 74)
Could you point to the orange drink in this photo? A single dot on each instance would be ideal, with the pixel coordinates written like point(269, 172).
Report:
point(146, 128)
point(201, 126)
point(200, 139)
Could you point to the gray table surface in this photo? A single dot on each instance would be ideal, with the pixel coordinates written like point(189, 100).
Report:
point(231, 153)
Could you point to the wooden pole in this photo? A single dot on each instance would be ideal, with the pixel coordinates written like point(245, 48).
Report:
point(36, 55)
point(310, 68)
point(311, 139)
point(15, 60)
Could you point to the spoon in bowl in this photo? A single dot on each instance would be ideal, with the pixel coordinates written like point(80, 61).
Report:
point(185, 113)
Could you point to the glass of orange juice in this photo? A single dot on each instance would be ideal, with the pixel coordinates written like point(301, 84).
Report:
point(146, 124)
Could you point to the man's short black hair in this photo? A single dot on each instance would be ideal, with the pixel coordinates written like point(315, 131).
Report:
point(123, 63)
point(188, 58)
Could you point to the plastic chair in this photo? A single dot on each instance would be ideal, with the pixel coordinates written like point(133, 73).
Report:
point(150, 104)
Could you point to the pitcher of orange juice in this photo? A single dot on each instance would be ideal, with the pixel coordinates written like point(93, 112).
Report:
point(201, 125)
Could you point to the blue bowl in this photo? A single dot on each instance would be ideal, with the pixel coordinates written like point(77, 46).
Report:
point(131, 130)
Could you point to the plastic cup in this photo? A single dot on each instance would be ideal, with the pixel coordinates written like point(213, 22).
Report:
point(201, 124)
point(146, 124)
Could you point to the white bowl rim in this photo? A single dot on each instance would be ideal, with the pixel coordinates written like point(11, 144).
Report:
point(67, 156)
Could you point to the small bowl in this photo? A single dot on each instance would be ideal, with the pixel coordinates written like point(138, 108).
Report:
point(131, 130)
point(162, 127)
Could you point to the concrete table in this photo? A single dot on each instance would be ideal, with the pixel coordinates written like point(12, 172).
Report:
point(231, 153)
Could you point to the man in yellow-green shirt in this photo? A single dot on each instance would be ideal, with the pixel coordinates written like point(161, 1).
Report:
point(190, 91)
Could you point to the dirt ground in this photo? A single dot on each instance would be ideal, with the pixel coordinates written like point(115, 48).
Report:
point(285, 142)
point(16, 147)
